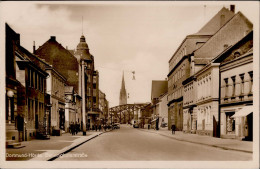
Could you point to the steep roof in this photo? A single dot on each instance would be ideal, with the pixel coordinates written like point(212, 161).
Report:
point(229, 34)
point(61, 59)
point(248, 49)
point(216, 22)
point(159, 87)
point(211, 27)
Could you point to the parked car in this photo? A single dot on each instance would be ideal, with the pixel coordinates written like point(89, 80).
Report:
point(136, 125)
point(164, 125)
point(116, 126)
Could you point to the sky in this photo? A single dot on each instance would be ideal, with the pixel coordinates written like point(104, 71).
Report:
point(122, 36)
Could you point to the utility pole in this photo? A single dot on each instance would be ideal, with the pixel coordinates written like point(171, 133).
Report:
point(83, 99)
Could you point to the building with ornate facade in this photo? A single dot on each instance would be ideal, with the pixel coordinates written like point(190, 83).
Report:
point(88, 84)
point(236, 89)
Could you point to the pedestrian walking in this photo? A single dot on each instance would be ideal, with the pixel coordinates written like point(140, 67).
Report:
point(73, 128)
point(173, 129)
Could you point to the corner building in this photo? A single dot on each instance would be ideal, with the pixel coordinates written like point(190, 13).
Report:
point(88, 83)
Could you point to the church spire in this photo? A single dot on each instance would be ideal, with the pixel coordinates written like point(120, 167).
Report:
point(123, 96)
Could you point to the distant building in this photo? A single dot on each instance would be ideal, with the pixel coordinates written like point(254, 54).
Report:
point(163, 109)
point(103, 107)
point(159, 88)
point(123, 94)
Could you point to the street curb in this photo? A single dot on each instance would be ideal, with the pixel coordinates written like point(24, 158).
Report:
point(73, 147)
point(216, 146)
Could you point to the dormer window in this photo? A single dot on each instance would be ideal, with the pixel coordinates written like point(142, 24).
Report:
point(236, 54)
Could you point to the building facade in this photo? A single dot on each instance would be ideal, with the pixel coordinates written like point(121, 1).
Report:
point(236, 89)
point(163, 110)
point(27, 112)
point(64, 71)
point(202, 89)
point(56, 89)
point(180, 66)
point(88, 83)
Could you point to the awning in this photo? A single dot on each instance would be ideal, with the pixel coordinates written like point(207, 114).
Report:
point(243, 112)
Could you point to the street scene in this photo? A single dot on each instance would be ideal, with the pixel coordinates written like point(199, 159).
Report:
point(130, 82)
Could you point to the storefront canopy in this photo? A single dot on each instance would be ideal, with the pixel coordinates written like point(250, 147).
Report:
point(243, 112)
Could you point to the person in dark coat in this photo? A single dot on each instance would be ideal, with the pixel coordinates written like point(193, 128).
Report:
point(73, 128)
point(173, 129)
point(99, 127)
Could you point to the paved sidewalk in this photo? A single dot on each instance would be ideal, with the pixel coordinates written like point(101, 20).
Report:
point(228, 144)
point(44, 150)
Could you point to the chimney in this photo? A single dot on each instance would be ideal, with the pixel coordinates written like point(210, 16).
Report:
point(53, 38)
point(232, 8)
point(33, 47)
point(222, 20)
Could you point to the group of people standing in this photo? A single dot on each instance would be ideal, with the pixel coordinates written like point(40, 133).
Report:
point(74, 128)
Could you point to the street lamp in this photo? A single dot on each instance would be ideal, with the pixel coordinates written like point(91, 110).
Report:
point(10, 94)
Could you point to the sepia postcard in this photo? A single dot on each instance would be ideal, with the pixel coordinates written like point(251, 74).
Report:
point(129, 84)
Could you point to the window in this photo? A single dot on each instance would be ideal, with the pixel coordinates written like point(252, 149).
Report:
point(234, 86)
point(29, 77)
point(36, 80)
point(251, 82)
point(226, 87)
point(236, 54)
point(242, 83)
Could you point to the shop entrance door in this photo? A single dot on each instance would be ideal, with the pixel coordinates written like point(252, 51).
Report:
point(230, 123)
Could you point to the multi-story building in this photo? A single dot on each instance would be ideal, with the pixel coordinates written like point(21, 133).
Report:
point(56, 89)
point(88, 83)
point(159, 88)
point(12, 39)
point(103, 106)
point(163, 109)
point(63, 66)
point(72, 110)
point(30, 112)
point(201, 89)
point(179, 64)
point(236, 89)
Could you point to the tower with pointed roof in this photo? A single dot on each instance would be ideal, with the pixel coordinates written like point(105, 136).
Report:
point(123, 96)
point(88, 82)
